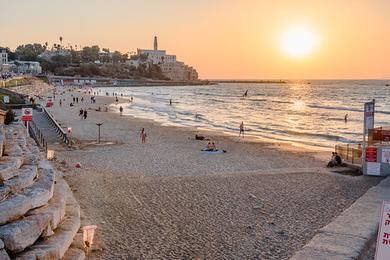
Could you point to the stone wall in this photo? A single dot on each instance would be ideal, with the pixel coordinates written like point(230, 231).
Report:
point(39, 217)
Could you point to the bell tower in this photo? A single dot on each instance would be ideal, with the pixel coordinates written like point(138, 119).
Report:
point(155, 43)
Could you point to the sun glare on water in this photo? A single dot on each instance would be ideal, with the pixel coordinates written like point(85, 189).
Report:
point(298, 42)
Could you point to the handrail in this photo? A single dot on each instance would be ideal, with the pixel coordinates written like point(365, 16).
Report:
point(57, 127)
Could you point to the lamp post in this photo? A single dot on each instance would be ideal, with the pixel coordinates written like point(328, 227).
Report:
point(99, 124)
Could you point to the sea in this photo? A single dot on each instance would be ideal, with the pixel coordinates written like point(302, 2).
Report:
point(304, 113)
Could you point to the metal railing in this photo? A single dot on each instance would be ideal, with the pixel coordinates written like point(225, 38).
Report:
point(350, 153)
point(37, 135)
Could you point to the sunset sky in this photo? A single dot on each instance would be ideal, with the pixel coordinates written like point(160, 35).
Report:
point(222, 39)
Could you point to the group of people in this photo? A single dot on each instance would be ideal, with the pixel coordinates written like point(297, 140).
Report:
point(335, 160)
point(83, 113)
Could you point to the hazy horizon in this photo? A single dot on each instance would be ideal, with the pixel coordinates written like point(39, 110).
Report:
point(221, 39)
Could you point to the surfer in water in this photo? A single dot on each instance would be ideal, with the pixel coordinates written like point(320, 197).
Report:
point(346, 118)
point(170, 102)
point(245, 94)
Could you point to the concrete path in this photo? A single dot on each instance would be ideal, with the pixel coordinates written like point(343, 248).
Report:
point(351, 234)
point(46, 128)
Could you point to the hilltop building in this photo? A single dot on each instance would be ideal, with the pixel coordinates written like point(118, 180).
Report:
point(3, 56)
point(170, 67)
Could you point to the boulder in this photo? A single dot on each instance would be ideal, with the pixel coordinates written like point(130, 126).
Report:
point(9, 166)
point(55, 246)
point(25, 178)
point(23, 233)
point(13, 208)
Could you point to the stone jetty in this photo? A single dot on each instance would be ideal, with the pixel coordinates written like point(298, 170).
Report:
point(39, 217)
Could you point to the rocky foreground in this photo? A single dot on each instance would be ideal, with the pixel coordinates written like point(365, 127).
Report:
point(39, 217)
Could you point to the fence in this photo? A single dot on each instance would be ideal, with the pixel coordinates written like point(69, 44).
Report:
point(350, 152)
point(37, 135)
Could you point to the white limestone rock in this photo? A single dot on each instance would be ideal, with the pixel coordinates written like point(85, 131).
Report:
point(23, 233)
point(13, 208)
point(8, 167)
point(25, 178)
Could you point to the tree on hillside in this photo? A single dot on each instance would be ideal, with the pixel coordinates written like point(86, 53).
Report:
point(29, 52)
point(90, 54)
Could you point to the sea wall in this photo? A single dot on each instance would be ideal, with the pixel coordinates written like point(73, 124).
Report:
point(39, 217)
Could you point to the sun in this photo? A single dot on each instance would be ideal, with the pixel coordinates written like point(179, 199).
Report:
point(298, 42)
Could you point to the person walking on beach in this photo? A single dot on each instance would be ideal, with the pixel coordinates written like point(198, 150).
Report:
point(143, 135)
point(81, 113)
point(85, 113)
point(241, 129)
point(131, 99)
point(121, 110)
point(77, 100)
point(116, 100)
point(60, 102)
point(82, 99)
point(346, 118)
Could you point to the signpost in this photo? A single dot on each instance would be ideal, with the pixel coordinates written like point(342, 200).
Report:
point(369, 113)
point(27, 114)
point(6, 99)
point(383, 241)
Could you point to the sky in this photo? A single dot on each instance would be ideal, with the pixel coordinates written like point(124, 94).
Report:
point(222, 39)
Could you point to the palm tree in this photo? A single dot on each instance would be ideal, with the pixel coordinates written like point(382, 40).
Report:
point(61, 40)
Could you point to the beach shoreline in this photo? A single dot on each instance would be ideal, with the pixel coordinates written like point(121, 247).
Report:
point(168, 199)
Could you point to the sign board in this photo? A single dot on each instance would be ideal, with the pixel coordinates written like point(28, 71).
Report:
point(27, 114)
point(369, 111)
point(385, 155)
point(383, 241)
point(373, 168)
point(6, 99)
point(381, 135)
point(371, 154)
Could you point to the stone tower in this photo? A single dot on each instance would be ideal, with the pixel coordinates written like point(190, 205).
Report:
point(155, 43)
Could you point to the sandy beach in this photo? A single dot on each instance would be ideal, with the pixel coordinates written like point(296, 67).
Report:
point(168, 200)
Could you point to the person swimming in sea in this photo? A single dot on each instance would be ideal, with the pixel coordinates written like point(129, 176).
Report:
point(346, 118)
point(246, 93)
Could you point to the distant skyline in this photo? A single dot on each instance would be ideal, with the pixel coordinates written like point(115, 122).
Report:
point(222, 39)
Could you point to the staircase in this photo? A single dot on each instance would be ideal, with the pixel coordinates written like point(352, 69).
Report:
point(39, 217)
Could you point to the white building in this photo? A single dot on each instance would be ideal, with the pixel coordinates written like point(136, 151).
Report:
point(156, 56)
point(27, 67)
point(3, 56)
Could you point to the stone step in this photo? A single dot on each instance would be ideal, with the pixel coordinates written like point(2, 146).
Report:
point(38, 222)
point(55, 246)
point(3, 253)
point(9, 166)
point(25, 178)
point(74, 254)
point(36, 195)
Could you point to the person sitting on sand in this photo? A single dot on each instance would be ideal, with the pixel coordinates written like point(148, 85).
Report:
point(332, 162)
point(213, 146)
point(339, 161)
point(199, 137)
point(209, 147)
point(116, 99)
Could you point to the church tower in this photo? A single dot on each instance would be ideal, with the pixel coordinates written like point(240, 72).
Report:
point(155, 43)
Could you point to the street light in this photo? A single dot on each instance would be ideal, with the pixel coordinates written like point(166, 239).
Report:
point(99, 124)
